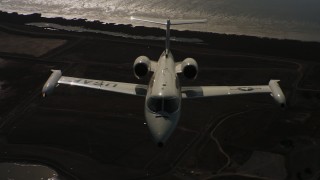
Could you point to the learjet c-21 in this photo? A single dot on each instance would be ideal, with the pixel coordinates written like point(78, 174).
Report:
point(163, 94)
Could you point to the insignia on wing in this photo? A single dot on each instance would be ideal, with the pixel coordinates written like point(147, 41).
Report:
point(245, 88)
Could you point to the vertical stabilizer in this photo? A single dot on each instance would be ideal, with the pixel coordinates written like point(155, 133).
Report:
point(168, 37)
point(168, 23)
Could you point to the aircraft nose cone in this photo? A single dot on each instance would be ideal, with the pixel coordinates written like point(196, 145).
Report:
point(160, 128)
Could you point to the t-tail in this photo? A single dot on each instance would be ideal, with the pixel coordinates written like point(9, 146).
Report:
point(169, 22)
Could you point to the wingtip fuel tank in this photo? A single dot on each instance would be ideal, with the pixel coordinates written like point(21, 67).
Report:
point(277, 93)
point(51, 82)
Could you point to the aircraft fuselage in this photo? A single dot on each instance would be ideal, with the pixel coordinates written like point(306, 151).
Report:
point(163, 100)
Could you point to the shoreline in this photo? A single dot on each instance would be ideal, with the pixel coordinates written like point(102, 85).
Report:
point(239, 43)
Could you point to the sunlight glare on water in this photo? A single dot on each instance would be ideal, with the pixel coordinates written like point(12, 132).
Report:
point(291, 19)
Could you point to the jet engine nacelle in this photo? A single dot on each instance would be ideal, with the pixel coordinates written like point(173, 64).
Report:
point(277, 93)
point(189, 68)
point(141, 66)
point(51, 82)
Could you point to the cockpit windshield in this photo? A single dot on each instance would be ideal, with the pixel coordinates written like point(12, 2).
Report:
point(155, 104)
point(169, 105)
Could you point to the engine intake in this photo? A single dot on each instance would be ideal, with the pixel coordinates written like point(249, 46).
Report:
point(189, 68)
point(141, 67)
point(51, 83)
point(277, 93)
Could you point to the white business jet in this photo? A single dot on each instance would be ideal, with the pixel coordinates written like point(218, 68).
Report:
point(163, 94)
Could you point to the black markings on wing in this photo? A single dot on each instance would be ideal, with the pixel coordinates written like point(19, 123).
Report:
point(97, 83)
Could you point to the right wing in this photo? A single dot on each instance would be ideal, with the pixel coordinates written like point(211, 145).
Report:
point(208, 91)
point(119, 87)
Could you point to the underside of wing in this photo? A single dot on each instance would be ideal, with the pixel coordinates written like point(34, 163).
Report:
point(209, 91)
point(120, 87)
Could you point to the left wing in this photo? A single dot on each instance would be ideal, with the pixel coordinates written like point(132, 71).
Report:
point(208, 91)
point(120, 87)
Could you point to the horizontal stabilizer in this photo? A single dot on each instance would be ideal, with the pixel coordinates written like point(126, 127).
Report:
point(172, 22)
point(168, 23)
